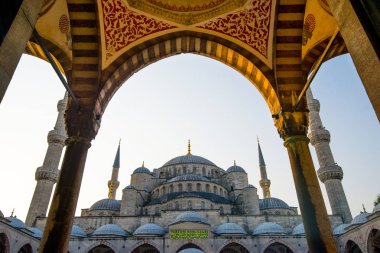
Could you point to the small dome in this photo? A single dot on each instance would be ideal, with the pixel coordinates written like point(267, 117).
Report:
point(229, 229)
point(189, 177)
point(341, 229)
point(15, 222)
point(360, 218)
point(190, 216)
point(188, 159)
point(110, 230)
point(106, 204)
point(272, 203)
point(235, 168)
point(191, 250)
point(375, 209)
point(268, 228)
point(77, 231)
point(149, 229)
point(142, 169)
point(298, 230)
point(36, 232)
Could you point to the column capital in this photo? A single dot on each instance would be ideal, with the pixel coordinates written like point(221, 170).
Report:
point(291, 123)
point(81, 126)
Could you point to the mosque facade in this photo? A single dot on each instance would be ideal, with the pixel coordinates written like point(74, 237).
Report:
point(191, 205)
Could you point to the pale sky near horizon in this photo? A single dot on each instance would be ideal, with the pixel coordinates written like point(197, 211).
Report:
point(179, 98)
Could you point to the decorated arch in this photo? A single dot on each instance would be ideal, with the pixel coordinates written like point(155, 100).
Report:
point(277, 247)
point(352, 247)
point(102, 248)
point(234, 248)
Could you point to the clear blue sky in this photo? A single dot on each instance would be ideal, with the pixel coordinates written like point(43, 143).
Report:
point(186, 97)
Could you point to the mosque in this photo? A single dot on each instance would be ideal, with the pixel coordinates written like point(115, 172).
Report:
point(190, 205)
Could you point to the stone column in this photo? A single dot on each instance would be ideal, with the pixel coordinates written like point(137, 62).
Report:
point(47, 175)
point(292, 127)
point(82, 128)
point(361, 49)
point(329, 173)
point(15, 41)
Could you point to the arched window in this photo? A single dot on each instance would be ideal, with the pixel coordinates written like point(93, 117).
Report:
point(163, 190)
point(199, 187)
point(189, 187)
point(220, 192)
point(203, 171)
point(184, 170)
point(277, 248)
point(189, 205)
point(194, 170)
point(180, 188)
point(207, 188)
point(215, 190)
point(171, 188)
point(374, 241)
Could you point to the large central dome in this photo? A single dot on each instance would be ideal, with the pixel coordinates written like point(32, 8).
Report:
point(188, 159)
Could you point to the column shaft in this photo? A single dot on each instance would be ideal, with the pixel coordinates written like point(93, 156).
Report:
point(58, 227)
point(316, 222)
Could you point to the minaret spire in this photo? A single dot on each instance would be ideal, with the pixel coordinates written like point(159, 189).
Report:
point(264, 182)
point(329, 173)
point(113, 184)
point(188, 148)
point(47, 175)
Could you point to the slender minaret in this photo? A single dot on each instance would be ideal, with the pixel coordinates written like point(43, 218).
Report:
point(113, 184)
point(329, 173)
point(264, 182)
point(47, 175)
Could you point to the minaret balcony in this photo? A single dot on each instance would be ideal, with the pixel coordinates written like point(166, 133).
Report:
point(319, 135)
point(46, 174)
point(55, 137)
point(330, 172)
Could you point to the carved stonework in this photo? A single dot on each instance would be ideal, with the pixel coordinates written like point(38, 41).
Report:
point(290, 123)
point(46, 174)
point(330, 172)
point(319, 135)
point(250, 25)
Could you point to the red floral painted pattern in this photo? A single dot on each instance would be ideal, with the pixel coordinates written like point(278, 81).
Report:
point(123, 26)
point(250, 25)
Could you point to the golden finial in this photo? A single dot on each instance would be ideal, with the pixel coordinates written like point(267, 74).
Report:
point(143, 164)
point(234, 163)
point(189, 148)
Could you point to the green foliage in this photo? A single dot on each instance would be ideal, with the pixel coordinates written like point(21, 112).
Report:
point(377, 200)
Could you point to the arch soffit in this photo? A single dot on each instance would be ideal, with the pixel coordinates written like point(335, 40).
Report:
point(352, 242)
point(254, 70)
point(241, 243)
point(141, 243)
point(273, 241)
point(27, 245)
point(99, 243)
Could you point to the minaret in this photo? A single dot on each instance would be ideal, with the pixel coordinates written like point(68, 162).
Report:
point(329, 173)
point(47, 175)
point(113, 184)
point(264, 182)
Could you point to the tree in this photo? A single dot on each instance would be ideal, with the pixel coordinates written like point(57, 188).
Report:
point(377, 200)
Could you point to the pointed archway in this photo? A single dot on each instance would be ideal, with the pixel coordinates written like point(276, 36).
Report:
point(25, 249)
point(145, 248)
point(4, 243)
point(277, 248)
point(352, 247)
point(101, 249)
point(234, 248)
point(373, 242)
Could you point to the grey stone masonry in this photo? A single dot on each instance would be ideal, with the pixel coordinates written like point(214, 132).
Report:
point(47, 175)
point(329, 173)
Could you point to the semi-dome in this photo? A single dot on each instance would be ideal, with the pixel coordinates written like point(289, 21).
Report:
point(299, 230)
point(229, 229)
point(376, 208)
point(149, 229)
point(188, 159)
point(191, 250)
point(340, 229)
point(360, 218)
point(268, 228)
point(109, 230)
point(235, 168)
point(106, 204)
point(37, 233)
point(189, 177)
point(190, 216)
point(272, 203)
point(142, 169)
point(16, 222)
point(77, 231)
